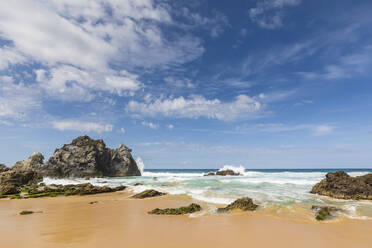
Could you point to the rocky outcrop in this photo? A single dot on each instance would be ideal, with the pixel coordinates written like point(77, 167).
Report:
point(223, 173)
point(3, 168)
point(41, 190)
point(342, 186)
point(66, 190)
point(148, 193)
point(12, 181)
point(84, 158)
point(192, 208)
point(324, 212)
point(244, 204)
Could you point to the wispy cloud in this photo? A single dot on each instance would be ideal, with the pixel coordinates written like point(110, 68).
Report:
point(81, 126)
point(313, 129)
point(268, 13)
point(195, 107)
point(17, 99)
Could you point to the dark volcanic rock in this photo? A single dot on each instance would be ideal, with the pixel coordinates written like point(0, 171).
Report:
point(148, 193)
point(341, 185)
point(192, 208)
point(85, 158)
point(223, 173)
point(11, 181)
point(3, 168)
point(244, 204)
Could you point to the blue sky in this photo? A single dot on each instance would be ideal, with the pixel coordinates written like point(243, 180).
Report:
point(190, 84)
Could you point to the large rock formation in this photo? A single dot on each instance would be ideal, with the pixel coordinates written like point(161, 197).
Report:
point(12, 181)
point(3, 168)
point(341, 185)
point(86, 158)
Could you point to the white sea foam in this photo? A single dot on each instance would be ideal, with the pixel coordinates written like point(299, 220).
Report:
point(170, 174)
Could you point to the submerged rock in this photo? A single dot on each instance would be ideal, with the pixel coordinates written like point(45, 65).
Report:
point(11, 181)
point(192, 208)
point(148, 193)
point(244, 204)
point(341, 185)
point(223, 173)
point(84, 158)
point(324, 212)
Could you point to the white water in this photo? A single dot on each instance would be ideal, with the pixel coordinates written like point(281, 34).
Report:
point(283, 189)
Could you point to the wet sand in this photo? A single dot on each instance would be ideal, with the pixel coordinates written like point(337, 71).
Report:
point(117, 221)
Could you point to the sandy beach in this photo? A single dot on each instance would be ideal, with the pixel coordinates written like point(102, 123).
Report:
point(118, 221)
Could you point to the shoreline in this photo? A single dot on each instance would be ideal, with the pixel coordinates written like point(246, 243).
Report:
point(119, 221)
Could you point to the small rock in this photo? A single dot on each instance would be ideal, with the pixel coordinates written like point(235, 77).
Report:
point(223, 173)
point(93, 202)
point(244, 204)
point(148, 193)
point(26, 212)
point(192, 208)
point(324, 212)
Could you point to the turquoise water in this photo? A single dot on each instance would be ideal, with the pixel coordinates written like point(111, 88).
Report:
point(270, 188)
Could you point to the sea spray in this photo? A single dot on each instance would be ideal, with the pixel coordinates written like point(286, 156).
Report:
point(140, 165)
point(237, 169)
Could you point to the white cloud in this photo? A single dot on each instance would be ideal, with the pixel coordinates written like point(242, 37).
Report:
point(9, 56)
point(196, 106)
point(78, 42)
point(150, 125)
point(81, 126)
point(267, 13)
point(170, 126)
point(122, 130)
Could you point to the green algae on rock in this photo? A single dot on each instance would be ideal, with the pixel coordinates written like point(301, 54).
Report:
point(244, 204)
point(192, 208)
point(324, 212)
point(37, 191)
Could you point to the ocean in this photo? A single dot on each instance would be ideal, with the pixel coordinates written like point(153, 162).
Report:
point(280, 190)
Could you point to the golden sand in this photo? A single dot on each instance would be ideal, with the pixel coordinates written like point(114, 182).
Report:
point(118, 221)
